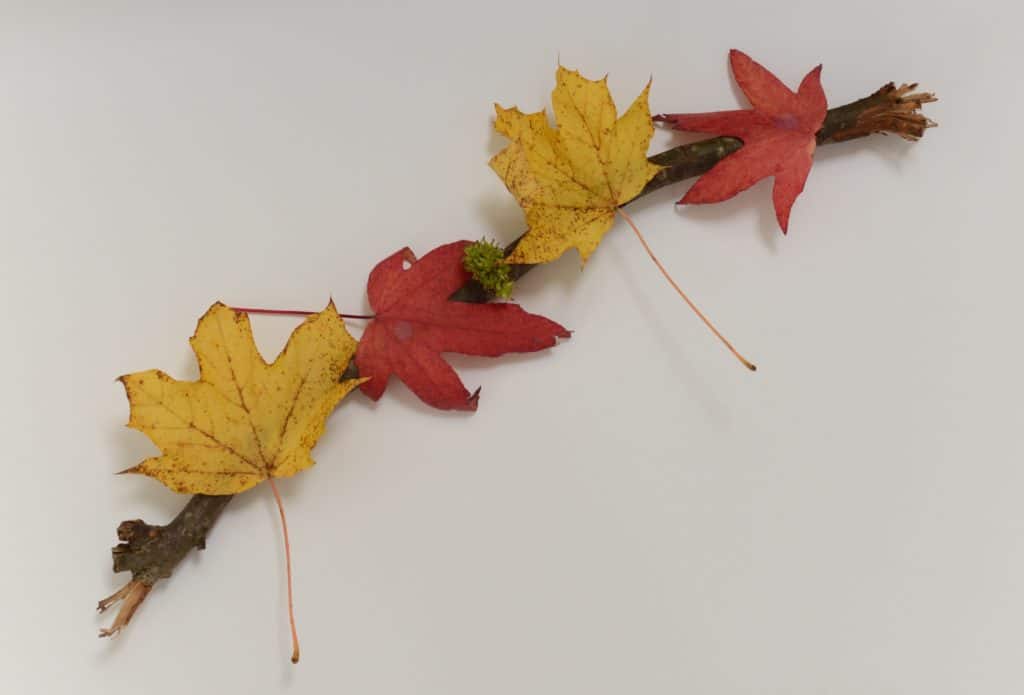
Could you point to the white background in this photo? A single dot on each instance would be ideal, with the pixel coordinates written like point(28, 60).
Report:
point(631, 512)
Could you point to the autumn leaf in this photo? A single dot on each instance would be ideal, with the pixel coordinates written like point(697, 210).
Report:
point(243, 421)
point(415, 322)
point(571, 179)
point(778, 136)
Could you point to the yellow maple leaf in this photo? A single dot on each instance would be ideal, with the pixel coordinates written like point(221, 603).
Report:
point(244, 420)
point(571, 180)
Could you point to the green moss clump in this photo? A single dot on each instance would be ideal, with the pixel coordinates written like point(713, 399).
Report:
point(485, 261)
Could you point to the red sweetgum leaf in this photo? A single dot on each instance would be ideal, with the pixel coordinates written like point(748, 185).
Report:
point(415, 322)
point(778, 136)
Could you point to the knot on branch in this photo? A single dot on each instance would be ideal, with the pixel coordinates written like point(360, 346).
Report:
point(134, 530)
point(140, 544)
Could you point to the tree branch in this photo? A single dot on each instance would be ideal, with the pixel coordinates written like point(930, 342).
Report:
point(888, 110)
point(151, 553)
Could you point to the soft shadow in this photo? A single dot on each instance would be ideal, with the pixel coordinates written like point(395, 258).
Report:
point(679, 137)
point(662, 198)
point(758, 197)
point(690, 379)
point(155, 502)
point(503, 220)
point(131, 447)
point(741, 99)
point(400, 393)
point(473, 363)
point(188, 369)
point(496, 142)
point(561, 276)
point(892, 150)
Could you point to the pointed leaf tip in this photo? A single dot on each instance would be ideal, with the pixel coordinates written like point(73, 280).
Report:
point(606, 154)
point(415, 322)
point(249, 423)
point(778, 136)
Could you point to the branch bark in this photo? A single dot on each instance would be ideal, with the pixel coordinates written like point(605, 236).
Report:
point(890, 109)
point(151, 553)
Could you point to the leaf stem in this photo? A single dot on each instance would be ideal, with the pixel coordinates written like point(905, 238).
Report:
point(296, 312)
point(288, 566)
point(746, 363)
point(152, 553)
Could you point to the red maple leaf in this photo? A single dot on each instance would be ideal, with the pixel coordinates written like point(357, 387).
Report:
point(778, 136)
point(415, 322)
